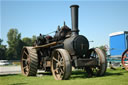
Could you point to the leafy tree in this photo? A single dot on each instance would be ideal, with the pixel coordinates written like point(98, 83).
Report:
point(33, 39)
point(27, 41)
point(2, 50)
point(15, 44)
point(1, 41)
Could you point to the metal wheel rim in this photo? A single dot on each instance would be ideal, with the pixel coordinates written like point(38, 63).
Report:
point(95, 69)
point(58, 65)
point(25, 62)
point(61, 65)
point(100, 69)
point(125, 59)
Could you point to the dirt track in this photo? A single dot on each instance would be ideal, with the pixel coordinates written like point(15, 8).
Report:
point(10, 70)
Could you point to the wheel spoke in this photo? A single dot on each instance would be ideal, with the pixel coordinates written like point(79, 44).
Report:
point(23, 59)
point(26, 68)
point(59, 75)
point(61, 59)
point(62, 64)
point(26, 53)
point(56, 70)
point(58, 56)
point(94, 54)
point(62, 72)
point(28, 60)
point(55, 59)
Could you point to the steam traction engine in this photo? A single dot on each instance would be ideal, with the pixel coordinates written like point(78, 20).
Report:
point(66, 49)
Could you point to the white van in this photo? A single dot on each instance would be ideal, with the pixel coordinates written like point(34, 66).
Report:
point(4, 62)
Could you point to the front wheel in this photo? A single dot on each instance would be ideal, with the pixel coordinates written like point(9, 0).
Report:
point(61, 64)
point(100, 69)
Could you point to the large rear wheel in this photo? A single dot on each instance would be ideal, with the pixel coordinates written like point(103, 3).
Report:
point(61, 64)
point(29, 61)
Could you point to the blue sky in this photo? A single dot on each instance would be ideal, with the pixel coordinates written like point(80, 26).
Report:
point(97, 19)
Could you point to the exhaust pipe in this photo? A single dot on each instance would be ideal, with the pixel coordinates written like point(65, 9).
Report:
point(74, 19)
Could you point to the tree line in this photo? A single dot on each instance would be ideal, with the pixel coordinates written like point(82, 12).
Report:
point(15, 45)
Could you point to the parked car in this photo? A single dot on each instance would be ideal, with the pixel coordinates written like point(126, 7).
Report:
point(4, 62)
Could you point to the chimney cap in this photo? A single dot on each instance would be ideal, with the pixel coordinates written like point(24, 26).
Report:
point(74, 6)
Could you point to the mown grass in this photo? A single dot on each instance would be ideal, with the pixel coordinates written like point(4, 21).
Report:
point(112, 77)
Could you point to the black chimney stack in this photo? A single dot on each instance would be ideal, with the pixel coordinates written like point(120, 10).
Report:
point(74, 16)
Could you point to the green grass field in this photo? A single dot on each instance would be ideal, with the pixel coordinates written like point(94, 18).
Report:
point(112, 77)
